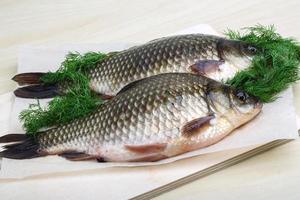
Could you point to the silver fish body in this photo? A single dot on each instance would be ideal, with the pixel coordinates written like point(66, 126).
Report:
point(151, 119)
point(212, 56)
point(215, 57)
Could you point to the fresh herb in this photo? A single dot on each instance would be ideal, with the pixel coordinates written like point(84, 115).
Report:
point(73, 69)
point(273, 69)
point(78, 101)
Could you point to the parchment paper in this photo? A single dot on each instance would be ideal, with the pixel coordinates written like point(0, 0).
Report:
point(276, 121)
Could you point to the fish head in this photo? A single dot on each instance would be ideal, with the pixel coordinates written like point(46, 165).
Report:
point(235, 105)
point(237, 53)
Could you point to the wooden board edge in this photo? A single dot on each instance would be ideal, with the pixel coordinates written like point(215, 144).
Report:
point(210, 170)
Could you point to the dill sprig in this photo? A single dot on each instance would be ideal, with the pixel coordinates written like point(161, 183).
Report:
point(273, 69)
point(73, 68)
point(78, 100)
point(60, 110)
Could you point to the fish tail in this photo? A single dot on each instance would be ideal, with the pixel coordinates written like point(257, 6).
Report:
point(36, 88)
point(12, 138)
point(40, 91)
point(28, 78)
point(24, 147)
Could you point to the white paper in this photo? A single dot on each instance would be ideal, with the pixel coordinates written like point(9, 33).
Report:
point(110, 183)
point(277, 120)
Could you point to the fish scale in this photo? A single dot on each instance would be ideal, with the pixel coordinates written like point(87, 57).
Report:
point(139, 109)
point(173, 54)
point(150, 119)
point(151, 111)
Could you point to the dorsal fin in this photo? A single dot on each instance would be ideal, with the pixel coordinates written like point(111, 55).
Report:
point(130, 85)
point(112, 53)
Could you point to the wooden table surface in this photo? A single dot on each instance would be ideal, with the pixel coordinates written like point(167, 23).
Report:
point(272, 175)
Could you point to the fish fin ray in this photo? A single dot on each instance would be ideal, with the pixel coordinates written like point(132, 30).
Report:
point(130, 85)
point(149, 158)
point(112, 53)
point(105, 96)
point(196, 126)
point(76, 156)
point(29, 78)
point(204, 67)
point(24, 149)
point(13, 138)
point(37, 91)
point(147, 148)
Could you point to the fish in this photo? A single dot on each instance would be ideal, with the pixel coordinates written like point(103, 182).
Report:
point(148, 120)
point(212, 56)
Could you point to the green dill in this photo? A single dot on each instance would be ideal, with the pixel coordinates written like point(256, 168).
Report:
point(73, 68)
point(78, 101)
point(273, 69)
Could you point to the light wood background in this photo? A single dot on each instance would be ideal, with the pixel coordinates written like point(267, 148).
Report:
point(272, 175)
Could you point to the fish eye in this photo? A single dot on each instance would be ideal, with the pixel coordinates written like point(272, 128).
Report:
point(252, 49)
point(242, 96)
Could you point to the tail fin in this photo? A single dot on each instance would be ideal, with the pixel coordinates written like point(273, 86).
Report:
point(37, 91)
point(28, 78)
point(12, 138)
point(25, 148)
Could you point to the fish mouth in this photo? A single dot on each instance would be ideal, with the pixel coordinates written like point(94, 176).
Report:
point(258, 105)
point(257, 108)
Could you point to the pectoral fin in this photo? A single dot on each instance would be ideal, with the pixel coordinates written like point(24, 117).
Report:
point(147, 148)
point(205, 67)
point(196, 126)
point(149, 158)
